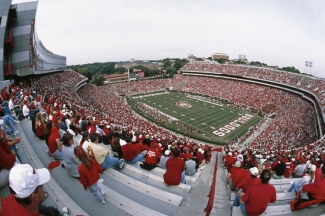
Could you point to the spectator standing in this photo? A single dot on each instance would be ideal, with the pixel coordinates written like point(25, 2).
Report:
point(89, 171)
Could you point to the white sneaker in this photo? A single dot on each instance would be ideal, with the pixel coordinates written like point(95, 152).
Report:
point(100, 180)
point(63, 211)
point(122, 164)
point(103, 202)
point(16, 132)
point(17, 121)
point(291, 182)
point(103, 192)
point(285, 191)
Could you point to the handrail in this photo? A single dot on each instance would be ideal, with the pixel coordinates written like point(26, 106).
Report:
point(208, 209)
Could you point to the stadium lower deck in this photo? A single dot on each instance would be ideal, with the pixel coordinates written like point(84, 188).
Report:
point(133, 191)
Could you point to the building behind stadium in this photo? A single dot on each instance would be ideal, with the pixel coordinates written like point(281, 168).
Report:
point(21, 51)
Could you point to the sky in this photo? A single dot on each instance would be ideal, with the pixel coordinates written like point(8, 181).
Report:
point(277, 32)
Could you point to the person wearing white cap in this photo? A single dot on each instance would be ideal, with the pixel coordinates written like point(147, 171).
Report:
point(257, 198)
point(245, 184)
point(26, 183)
point(163, 159)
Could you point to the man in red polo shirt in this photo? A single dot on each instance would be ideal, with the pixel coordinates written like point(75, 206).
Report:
point(130, 152)
point(175, 173)
point(257, 198)
point(239, 175)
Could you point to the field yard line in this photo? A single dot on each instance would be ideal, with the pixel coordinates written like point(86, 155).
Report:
point(201, 113)
point(206, 115)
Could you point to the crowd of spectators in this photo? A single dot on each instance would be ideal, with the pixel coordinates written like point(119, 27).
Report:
point(309, 83)
point(290, 137)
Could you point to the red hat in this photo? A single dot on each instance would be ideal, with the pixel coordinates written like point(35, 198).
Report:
point(25, 101)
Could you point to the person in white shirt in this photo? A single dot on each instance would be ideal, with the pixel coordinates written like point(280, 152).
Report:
point(26, 110)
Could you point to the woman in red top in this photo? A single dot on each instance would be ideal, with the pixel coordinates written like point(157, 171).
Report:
point(39, 126)
point(89, 173)
point(55, 146)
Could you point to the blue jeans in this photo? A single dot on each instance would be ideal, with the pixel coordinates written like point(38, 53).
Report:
point(63, 126)
point(293, 186)
point(139, 157)
point(96, 191)
point(243, 209)
point(183, 177)
point(109, 162)
point(236, 200)
point(276, 177)
point(8, 120)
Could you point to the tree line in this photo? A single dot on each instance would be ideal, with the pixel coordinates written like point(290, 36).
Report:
point(95, 72)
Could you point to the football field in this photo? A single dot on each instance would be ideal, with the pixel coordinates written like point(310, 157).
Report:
point(196, 117)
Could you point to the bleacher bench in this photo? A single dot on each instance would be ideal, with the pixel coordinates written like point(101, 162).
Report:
point(279, 196)
point(155, 178)
point(144, 188)
point(270, 210)
point(161, 172)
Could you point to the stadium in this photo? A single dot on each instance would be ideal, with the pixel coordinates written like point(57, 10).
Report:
point(223, 112)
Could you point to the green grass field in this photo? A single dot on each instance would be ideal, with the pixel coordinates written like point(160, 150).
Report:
point(204, 117)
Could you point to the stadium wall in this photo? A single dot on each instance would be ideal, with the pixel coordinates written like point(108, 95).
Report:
point(21, 51)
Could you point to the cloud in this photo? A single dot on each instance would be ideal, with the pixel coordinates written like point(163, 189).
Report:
point(283, 33)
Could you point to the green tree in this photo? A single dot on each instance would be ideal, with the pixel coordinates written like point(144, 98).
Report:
point(119, 70)
point(98, 79)
point(178, 65)
point(221, 61)
point(170, 70)
point(290, 69)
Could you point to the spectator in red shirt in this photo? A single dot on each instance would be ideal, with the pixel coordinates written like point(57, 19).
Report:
point(26, 186)
point(175, 170)
point(245, 184)
point(200, 155)
point(7, 161)
point(55, 146)
point(316, 191)
point(39, 126)
point(89, 171)
point(239, 175)
point(232, 170)
point(130, 153)
point(152, 158)
point(257, 198)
